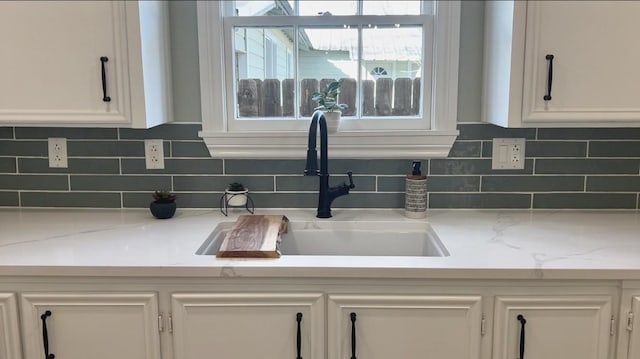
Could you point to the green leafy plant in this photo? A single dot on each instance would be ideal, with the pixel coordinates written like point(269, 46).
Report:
point(164, 196)
point(236, 187)
point(328, 99)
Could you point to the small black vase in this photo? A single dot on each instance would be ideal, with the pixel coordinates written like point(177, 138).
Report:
point(163, 210)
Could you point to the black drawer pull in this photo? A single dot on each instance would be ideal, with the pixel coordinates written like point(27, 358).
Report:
point(353, 335)
point(103, 60)
point(549, 58)
point(45, 335)
point(522, 323)
point(299, 336)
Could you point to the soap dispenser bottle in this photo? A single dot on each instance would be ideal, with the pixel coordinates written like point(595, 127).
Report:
point(415, 201)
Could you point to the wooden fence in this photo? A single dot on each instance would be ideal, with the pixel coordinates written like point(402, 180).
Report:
point(382, 97)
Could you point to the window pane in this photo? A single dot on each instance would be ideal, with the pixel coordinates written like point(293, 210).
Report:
point(390, 7)
point(315, 7)
point(392, 60)
point(264, 8)
point(264, 71)
point(325, 55)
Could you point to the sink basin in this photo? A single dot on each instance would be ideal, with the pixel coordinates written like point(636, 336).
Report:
point(336, 238)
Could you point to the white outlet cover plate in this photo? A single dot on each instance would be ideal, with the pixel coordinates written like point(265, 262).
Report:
point(508, 154)
point(154, 154)
point(58, 153)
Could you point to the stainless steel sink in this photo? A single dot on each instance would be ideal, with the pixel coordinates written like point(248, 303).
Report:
point(346, 238)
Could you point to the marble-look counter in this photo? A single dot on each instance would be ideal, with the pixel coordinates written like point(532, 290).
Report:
point(483, 244)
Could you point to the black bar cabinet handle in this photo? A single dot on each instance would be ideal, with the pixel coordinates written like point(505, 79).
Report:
point(105, 98)
point(549, 58)
point(45, 335)
point(299, 336)
point(353, 335)
point(522, 323)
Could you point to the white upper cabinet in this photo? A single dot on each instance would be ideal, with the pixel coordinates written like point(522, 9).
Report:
point(84, 63)
point(562, 64)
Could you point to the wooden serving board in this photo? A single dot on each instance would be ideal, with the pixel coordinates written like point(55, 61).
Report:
point(254, 236)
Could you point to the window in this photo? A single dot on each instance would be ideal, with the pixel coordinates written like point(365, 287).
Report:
point(261, 60)
point(378, 71)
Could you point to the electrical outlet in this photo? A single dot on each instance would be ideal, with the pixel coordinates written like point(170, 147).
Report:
point(154, 154)
point(58, 153)
point(508, 154)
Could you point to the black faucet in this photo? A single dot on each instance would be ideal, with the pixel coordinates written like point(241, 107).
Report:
point(326, 194)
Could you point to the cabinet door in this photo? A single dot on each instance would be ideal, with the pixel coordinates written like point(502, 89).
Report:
point(555, 327)
point(634, 327)
point(96, 326)
point(596, 77)
point(9, 339)
point(50, 63)
point(248, 326)
point(390, 326)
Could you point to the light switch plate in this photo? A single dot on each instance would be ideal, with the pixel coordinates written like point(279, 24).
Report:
point(508, 154)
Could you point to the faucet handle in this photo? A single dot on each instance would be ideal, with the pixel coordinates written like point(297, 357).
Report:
point(351, 185)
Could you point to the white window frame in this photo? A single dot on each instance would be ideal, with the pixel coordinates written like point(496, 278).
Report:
point(225, 141)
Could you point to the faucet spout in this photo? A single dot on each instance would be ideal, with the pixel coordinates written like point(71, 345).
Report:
point(326, 194)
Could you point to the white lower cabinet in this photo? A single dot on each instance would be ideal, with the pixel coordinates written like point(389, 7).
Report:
point(9, 332)
point(404, 326)
point(248, 325)
point(90, 325)
point(553, 327)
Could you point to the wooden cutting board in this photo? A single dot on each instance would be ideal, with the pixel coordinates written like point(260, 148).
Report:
point(254, 236)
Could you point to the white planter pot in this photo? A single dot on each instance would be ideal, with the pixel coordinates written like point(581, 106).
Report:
point(333, 120)
point(236, 198)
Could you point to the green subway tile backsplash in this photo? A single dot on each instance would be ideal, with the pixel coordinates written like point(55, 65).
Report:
point(614, 149)
point(66, 132)
point(9, 199)
point(120, 183)
point(588, 133)
point(108, 148)
point(76, 165)
point(70, 199)
point(167, 132)
point(585, 200)
point(34, 182)
point(23, 148)
point(564, 168)
point(6, 132)
point(7, 165)
point(587, 166)
point(219, 183)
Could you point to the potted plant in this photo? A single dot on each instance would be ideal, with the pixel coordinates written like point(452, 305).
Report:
point(328, 103)
point(163, 205)
point(236, 194)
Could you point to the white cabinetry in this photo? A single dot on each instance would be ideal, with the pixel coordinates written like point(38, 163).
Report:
point(404, 326)
point(572, 327)
point(248, 325)
point(632, 326)
point(629, 339)
point(52, 69)
point(595, 74)
point(91, 325)
point(9, 332)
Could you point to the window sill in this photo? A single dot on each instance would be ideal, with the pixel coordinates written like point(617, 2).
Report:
point(360, 144)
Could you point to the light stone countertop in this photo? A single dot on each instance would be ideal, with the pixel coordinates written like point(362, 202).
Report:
point(483, 244)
